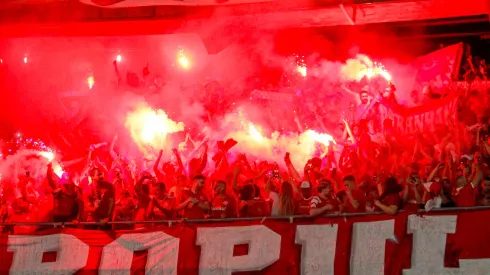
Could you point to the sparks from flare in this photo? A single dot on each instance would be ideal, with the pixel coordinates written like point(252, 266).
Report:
point(373, 70)
point(48, 155)
point(301, 65)
point(355, 69)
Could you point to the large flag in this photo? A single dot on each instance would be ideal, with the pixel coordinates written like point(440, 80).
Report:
point(440, 67)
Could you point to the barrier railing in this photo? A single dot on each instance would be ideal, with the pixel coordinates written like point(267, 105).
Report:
point(286, 218)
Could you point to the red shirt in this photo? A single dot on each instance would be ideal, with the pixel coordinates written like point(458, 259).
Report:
point(411, 194)
point(318, 202)
point(465, 197)
point(391, 199)
point(192, 211)
point(360, 197)
point(257, 207)
point(223, 207)
point(65, 204)
point(167, 203)
point(303, 206)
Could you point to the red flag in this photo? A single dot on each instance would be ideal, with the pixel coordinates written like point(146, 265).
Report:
point(440, 65)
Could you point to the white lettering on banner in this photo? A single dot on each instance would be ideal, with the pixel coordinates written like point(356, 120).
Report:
point(399, 122)
point(318, 248)
point(368, 246)
point(72, 254)
point(419, 122)
point(475, 267)
point(163, 252)
point(217, 245)
point(409, 125)
point(429, 244)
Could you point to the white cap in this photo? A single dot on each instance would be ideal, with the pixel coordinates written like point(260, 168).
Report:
point(305, 184)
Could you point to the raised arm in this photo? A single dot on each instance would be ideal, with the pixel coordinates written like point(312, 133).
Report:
point(158, 173)
point(234, 183)
point(349, 132)
point(435, 171)
point(116, 70)
point(102, 167)
point(291, 170)
point(50, 176)
point(179, 160)
point(203, 159)
point(111, 148)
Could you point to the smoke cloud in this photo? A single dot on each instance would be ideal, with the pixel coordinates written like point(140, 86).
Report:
point(54, 85)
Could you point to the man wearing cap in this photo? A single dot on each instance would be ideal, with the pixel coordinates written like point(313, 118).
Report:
point(325, 202)
point(305, 200)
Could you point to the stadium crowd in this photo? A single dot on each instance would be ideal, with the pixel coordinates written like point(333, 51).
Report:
point(386, 171)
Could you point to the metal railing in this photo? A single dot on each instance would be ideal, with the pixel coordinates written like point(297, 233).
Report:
point(262, 219)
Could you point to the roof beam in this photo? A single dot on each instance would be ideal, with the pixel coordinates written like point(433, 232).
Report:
point(351, 17)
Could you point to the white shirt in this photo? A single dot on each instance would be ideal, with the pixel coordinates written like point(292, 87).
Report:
point(434, 203)
point(275, 203)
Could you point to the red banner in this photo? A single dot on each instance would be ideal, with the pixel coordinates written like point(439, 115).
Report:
point(439, 66)
point(437, 243)
point(425, 117)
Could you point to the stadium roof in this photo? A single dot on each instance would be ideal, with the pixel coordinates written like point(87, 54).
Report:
point(130, 17)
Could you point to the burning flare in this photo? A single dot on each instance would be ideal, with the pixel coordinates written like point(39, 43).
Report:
point(362, 66)
point(302, 70)
point(90, 82)
point(324, 139)
point(50, 157)
point(254, 133)
point(183, 60)
point(302, 146)
point(150, 127)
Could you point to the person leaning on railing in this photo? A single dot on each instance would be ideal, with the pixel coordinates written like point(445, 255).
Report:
point(67, 198)
point(389, 201)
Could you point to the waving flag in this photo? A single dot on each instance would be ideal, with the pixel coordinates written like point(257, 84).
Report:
point(439, 66)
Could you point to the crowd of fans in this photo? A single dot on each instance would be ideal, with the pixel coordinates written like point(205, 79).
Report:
point(385, 171)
